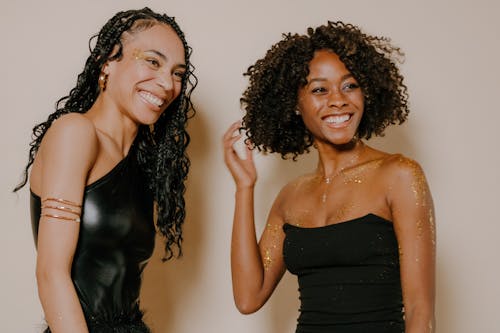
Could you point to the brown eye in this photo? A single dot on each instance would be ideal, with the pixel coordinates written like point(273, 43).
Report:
point(179, 75)
point(351, 86)
point(153, 62)
point(318, 90)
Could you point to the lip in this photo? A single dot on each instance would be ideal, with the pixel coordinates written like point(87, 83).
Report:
point(338, 125)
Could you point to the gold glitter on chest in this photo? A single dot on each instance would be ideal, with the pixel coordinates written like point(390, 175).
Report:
point(351, 175)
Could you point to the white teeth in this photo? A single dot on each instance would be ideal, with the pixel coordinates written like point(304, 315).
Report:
point(337, 119)
point(151, 98)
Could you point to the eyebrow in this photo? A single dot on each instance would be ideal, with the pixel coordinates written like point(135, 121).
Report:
point(164, 57)
point(322, 79)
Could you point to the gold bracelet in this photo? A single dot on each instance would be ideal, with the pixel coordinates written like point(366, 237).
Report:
point(67, 202)
point(62, 208)
point(75, 219)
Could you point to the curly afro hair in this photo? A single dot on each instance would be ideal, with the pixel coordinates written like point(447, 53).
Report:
point(270, 100)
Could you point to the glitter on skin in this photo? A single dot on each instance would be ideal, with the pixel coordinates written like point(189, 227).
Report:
point(350, 175)
point(355, 174)
point(419, 183)
point(297, 218)
point(343, 211)
point(268, 261)
point(432, 226)
point(420, 227)
point(268, 252)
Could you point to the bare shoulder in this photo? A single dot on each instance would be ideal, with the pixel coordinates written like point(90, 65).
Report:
point(402, 166)
point(296, 183)
point(290, 191)
point(72, 136)
point(66, 155)
point(402, 172)
point(73, 125)
point(71, 128)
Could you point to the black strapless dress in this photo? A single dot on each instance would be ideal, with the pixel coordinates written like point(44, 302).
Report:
point(115, 241)
point(348, 273)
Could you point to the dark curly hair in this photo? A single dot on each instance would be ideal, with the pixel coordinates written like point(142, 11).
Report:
point(160, 149)
point(271, 98)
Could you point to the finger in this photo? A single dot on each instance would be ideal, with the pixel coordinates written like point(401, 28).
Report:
point(241, 148)
point(230, 131)
point(229, 142)
point(249, 153)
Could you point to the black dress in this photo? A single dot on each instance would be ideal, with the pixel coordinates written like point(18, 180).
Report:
point(348, 273)
point(115, 241)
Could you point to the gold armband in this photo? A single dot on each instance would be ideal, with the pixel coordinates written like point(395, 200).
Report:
point(70, 210)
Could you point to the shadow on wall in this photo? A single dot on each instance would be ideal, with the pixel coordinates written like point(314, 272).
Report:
point(162, 293)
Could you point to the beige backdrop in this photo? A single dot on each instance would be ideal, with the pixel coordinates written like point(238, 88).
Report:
point(452, 72)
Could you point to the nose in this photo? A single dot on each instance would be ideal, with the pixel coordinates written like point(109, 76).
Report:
point(166, 81)
point(337, 99)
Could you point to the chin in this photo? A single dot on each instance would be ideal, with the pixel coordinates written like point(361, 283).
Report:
point(151, 122)
point(341, 140)
point(148, 119)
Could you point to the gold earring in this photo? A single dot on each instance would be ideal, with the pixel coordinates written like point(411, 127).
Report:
point(103, 81)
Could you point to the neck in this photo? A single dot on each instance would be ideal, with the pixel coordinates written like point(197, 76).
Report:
point(113, 124)
point(335, 158)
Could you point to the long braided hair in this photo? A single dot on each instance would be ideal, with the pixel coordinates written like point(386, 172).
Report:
point(160, 149)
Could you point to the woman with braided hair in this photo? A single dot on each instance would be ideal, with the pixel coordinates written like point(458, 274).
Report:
point(110, 158)
point(359, 230)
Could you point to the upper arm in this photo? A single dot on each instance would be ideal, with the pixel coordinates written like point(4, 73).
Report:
point(271, 246)
point(67, 153)
point(413, 216)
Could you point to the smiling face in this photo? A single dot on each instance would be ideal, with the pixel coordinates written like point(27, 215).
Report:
point(331, 103)
point(149, 75)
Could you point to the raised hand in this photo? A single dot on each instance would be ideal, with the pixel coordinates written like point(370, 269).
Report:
point(242, 170)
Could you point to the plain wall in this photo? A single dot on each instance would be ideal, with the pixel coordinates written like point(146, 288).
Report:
point(452, 72)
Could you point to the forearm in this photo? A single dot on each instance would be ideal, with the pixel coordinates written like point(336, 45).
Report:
point(419, 320)
point(246, 264)
point(60, 303)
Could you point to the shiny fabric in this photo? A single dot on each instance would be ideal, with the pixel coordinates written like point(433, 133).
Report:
point(348, 273)
point(115, 241)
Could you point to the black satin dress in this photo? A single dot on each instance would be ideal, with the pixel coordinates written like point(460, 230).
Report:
point(115, 241)
point(348, 273)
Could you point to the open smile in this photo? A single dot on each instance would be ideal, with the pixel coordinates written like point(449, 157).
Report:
point(337, 120)
point(151, 98)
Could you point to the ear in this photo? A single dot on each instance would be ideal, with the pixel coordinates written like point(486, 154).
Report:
point(105, 68)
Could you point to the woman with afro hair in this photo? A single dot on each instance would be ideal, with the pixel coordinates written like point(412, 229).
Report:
point(109, 159)
point(358, 231)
